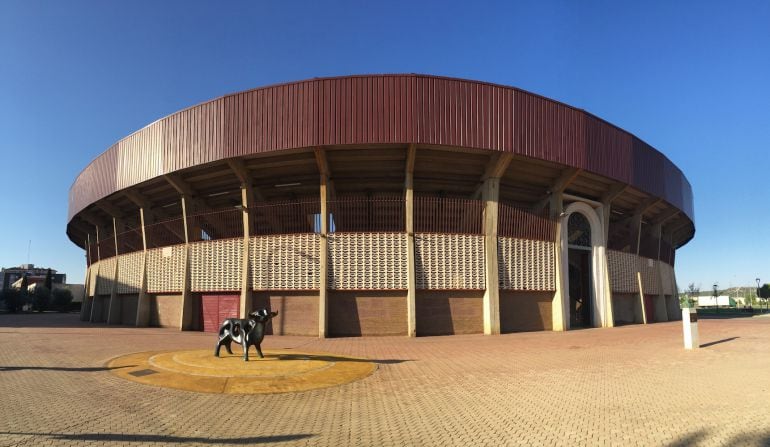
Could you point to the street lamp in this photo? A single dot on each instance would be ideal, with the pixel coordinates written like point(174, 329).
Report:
point(716, 297)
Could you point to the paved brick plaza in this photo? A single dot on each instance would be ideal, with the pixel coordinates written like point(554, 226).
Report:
point(632, 385)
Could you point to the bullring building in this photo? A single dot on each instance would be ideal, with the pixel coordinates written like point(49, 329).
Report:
point(382, 205)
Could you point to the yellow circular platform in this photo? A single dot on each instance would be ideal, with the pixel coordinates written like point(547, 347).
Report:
point(281, 371)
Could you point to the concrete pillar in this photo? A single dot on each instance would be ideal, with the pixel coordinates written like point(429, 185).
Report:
point(411, 291)
point(113, 313)
point(143, 303)
point(84, 315)
point(246, 304)
point(185, 320)
point(609, 317)
point(491, 306)
point(323, 293)
point(662, 313)
point(98, 259)
point(556, 204)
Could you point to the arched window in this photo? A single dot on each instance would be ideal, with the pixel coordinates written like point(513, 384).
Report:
point(578, 231)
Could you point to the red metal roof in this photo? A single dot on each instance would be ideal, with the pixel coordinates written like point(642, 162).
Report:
point(365, 110)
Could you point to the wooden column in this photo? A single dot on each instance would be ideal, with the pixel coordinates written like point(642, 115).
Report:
point(185, 320)
point(143, 303)
point(246, 304)
point(491, 306)
point(556, 203)
point(411, 291)
point(657, 230)
point(324, 255)
point(113, 313)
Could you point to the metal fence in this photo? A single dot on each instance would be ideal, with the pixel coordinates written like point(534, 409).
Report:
point(521, 223)
point(106, 245)
point(130, 240)
point(285, 217)
point(210, 225)
point(448, 215)
point(164, 233)
point(367, 214)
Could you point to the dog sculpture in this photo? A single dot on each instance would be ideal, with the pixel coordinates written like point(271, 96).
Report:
point(246, 331)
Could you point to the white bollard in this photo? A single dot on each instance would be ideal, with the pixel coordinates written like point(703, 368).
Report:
point(690, 326)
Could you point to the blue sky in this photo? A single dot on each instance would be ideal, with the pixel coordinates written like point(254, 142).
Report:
point(690, 78)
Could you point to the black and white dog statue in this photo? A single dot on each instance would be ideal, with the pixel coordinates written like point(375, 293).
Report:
point(246, 331)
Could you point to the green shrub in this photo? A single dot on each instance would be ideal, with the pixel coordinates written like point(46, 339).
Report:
point(41, 298)
point(12, 299)
point(62, 298)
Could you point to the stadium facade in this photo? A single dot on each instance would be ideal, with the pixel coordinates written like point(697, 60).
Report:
point(382, 205)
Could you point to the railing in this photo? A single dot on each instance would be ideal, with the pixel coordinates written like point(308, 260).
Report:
point(363, 214)
point(164, 233)
point(106, 245)
point(130, 240)
point(210, 225)
point(347, 214)
point(448, 215)
point(520, 223)
point(285, 217)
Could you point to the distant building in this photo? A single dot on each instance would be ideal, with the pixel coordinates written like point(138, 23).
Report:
point(34, 275)
point(710, 301)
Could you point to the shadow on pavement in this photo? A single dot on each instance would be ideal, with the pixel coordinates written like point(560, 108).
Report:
point(712, 343)
point(333, 358)
point(701, 436)
point(60, 368)
point(128, 437)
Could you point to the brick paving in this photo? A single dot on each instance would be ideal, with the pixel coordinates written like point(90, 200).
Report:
point(632, 385)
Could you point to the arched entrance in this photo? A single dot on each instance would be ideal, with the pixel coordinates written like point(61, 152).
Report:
point(579, 274)
point(584, 303)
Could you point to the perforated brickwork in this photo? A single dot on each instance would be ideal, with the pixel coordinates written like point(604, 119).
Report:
point(216, 265)
point(367, 261)
point(622, 267)
point(650, 275)
point(165, 269)
point(526, 264)
point(449, 261)
point(285, 262)
point(130, 272)
point(106, 276)
point(93, 273)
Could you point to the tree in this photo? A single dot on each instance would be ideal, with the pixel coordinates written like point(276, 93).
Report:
point(49, 280)
point(41, 298)
point(764, 292)
point(23, 292)
point(12, 299)
point(62, 299)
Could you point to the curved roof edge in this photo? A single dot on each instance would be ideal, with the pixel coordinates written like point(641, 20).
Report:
point(371, 109)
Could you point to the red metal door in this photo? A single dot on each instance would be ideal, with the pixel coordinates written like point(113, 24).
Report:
point(217, 308)
point(649, 308)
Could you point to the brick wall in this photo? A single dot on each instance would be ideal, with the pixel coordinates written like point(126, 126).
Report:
point(165, 310)
point(355, 313)
point(297, 311)
point(525, 311)
point(128, 308)
point(447, 312)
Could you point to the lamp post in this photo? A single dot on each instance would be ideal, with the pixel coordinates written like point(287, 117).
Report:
point(716, 297)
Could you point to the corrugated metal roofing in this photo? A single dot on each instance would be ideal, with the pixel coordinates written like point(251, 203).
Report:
point(365, 110)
